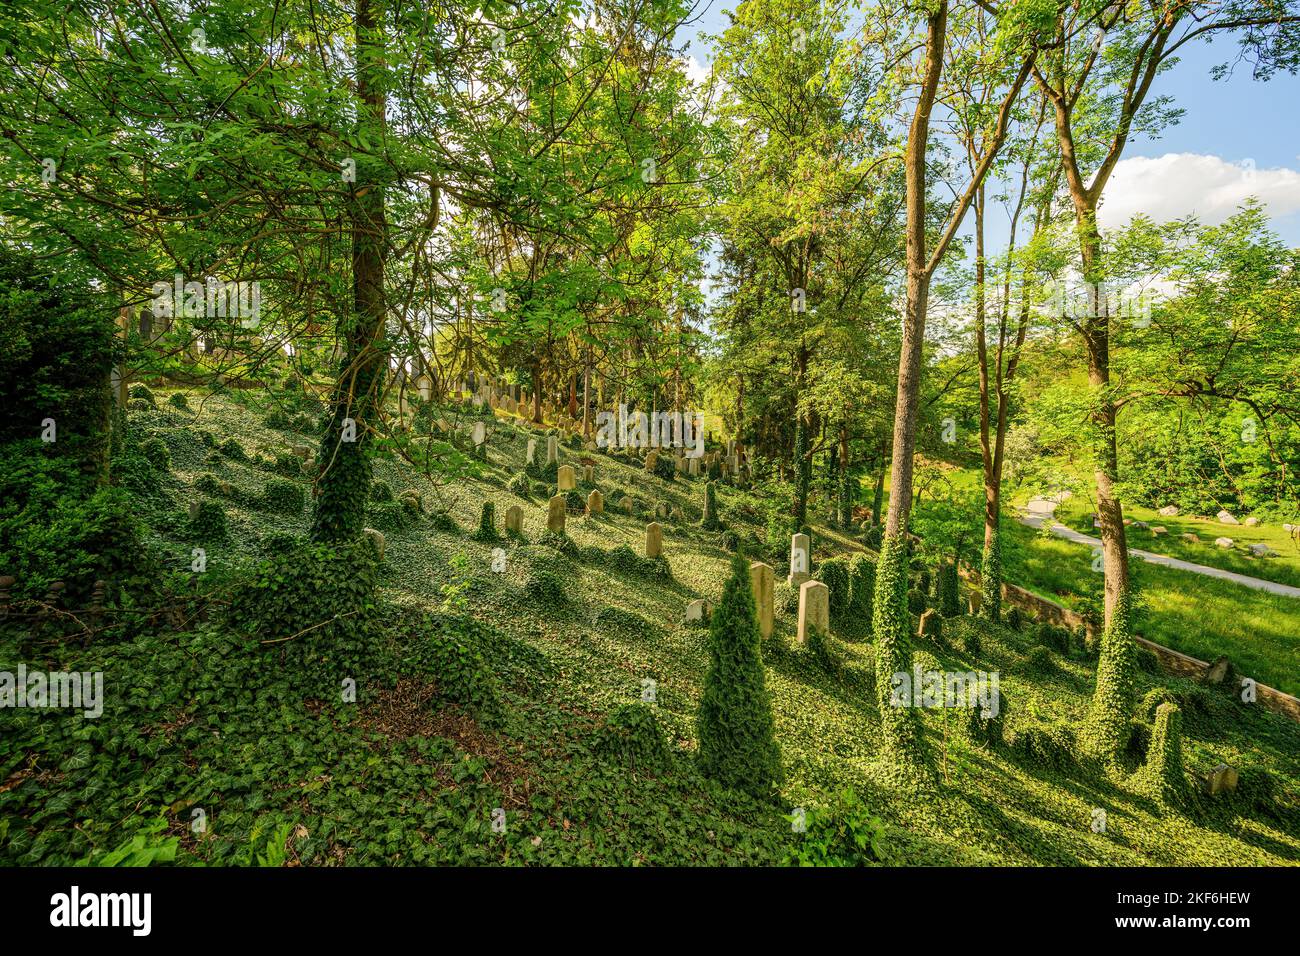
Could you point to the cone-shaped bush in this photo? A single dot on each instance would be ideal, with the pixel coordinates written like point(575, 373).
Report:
point(949, 603)
point(1163, 776)
point(711, 522)
point(737, 735)
point(1112, 703)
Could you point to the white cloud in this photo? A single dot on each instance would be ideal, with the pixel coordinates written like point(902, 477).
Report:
point(1180, 184)
point(696, 72)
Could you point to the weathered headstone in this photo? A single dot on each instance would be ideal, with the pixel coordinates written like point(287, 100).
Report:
point(654, 540)
point(930, 625)
point(1168, 511)
point(1251, 522)
point(1223, 542)
point(1225, 517)
point(693, 467)
point(376, 539)
point(552, 450)
point(973, 601)
point(555, 514)
point(595, 503)
point(800, 548)
point(761, 581)
point(425, 385)
point(1222, 779)
point(1218, 671)
point(530, 456)
point(651, 460)
point(565, 478)
point(589, 474)
point(814, 609)
point(479, 434)
point(695, 611)
point(515, 519)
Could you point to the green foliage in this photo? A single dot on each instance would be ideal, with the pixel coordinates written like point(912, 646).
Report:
point(448, 651)
point(208, 484)
point(232, 449)
point(710, 521)
point(862, 582)
point(948, 593)
point(633, 737)
point(991, 579)
point(146, 847)
point(156, 452)
point(618, 620)
point(845, 834)
point(519, 485)
point(179, 401)
point(487, 527)
point(1050, 745)
point(737, 736)
point(1105, 735)
point(316, 603)
point(891, 626)
point(283, 497)
point(546, 589)
point(209, 523)
point(380, 491)
point(834, 573)
point(1163, 777)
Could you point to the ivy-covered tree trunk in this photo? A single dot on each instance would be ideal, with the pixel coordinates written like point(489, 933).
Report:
point(802, 473)
point(343, 486)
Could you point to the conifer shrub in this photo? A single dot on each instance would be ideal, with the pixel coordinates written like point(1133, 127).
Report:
point(948, 593)
point(633, 737)
point(283, 497)
point(737, 736)
point(834, 573)
point(1107, 724)
point(1162, 777)
point(710, 522)
point(487, 526)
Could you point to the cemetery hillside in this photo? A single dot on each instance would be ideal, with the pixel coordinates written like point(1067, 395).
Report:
point(640, 434)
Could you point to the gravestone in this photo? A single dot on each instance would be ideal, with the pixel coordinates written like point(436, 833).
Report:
point(566, 479)
point(376, 539)
point(814, 609)
point(515, 519)
point(1223, 542)
point(1222, 779)
point(800, 548)
point(425, 385)
point(1225, 517)
point(654, 540)
point(761, 581)
point(651, 460)
point(595, 503)
point(480, 435)
point(530, 456)
point(1168, 511)
point(1251, 522)
point(555, 514)
point(1262, 551)
point(552, 450)
point(973, 601)
point(695, 611)
point(589, 474)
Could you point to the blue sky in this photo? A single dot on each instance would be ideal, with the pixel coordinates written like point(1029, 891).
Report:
point(1237, 137)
